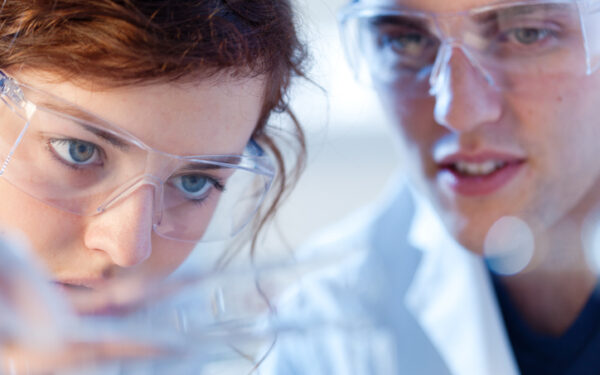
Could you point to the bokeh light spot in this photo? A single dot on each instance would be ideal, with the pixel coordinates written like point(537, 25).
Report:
point(509, 246)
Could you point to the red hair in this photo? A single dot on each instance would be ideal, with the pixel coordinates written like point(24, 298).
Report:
point(130, 42)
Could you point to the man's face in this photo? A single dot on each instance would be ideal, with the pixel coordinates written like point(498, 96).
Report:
point(480, 153)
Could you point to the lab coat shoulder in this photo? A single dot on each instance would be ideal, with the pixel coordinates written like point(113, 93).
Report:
point(354, 261)
point(350, 314)
point(399, 299)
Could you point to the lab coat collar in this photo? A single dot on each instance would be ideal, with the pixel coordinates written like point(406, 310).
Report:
point(452, 298)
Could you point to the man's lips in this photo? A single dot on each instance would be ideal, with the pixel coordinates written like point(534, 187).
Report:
point(479, 157)
point(482, 173)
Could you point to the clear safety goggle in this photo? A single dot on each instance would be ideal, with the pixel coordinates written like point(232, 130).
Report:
point(73, 160)
point(514, 45)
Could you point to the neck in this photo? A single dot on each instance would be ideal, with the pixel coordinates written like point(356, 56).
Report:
point(551, 292)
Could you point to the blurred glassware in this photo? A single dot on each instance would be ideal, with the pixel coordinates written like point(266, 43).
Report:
point(210, 322)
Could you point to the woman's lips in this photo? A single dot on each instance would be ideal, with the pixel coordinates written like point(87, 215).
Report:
point(87, 300)
point(479, 174)
point(67, 288)
point(106, 297)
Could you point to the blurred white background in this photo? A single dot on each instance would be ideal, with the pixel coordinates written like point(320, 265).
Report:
point(350, 145)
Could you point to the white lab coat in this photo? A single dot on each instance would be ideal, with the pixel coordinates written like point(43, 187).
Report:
point(431, 301)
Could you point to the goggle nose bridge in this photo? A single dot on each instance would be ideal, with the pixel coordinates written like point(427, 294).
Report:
point(126, 190)
point(439, 74)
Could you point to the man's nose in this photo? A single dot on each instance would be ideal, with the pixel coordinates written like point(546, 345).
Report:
point(124, 231)
point(465, 94)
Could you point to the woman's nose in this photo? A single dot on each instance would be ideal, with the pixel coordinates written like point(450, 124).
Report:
point(124, 231)
point(465, 96)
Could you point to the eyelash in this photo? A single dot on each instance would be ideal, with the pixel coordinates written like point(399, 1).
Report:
point(216, 183)
point(546, 33)
point(76, 167)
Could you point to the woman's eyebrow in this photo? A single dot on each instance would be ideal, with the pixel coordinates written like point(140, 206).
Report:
point(78, 114)
point(212, 164)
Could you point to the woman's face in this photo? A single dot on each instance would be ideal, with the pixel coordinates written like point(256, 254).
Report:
point(208, 117)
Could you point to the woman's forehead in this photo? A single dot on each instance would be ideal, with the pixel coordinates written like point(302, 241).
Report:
point(204, 117)
point(437, 6)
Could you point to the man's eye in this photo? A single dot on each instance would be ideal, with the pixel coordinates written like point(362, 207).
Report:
point(75, 152)
point(194, 186)
point(528, 36)
point(410, 44)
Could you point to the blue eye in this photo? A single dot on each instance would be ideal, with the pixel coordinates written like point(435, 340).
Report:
point(81, 152)
point(75, 152)
point(194, 186)
point(193, 183)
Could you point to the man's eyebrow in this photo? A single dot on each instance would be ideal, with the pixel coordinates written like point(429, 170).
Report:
point(517, 10)
point(76, 114)
point(398, 20)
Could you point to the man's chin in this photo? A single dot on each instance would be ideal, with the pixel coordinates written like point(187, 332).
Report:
point(473, 245)
point(471, 236)
point(508, 244)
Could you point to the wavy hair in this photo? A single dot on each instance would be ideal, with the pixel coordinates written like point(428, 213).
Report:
point(132, 42)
